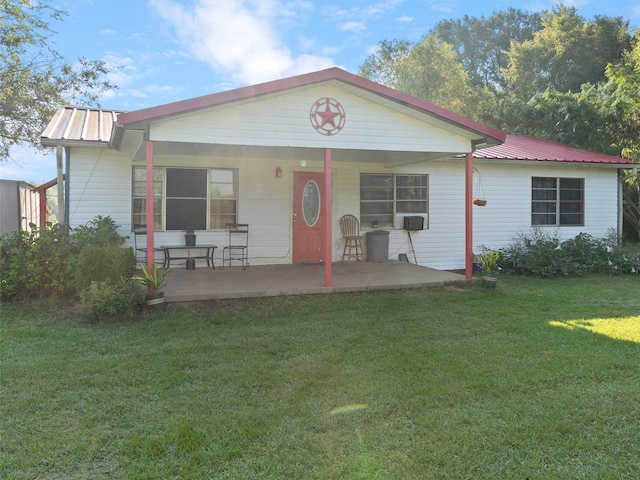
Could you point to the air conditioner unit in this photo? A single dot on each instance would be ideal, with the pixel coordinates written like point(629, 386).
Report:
point(413, 223)
point(410, 222)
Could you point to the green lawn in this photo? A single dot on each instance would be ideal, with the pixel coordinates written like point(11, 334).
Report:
point(538, 379)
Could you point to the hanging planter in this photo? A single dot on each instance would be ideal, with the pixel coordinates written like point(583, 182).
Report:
point(479, 198)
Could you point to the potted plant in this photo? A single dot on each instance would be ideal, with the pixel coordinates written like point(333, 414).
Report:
point(489, 263)
point(190, 237)
point(155, 282)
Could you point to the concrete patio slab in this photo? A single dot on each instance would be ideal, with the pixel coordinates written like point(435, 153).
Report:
point(298, 279)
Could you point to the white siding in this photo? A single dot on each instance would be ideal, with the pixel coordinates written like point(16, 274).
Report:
point(100, 183)
point(508, 210)
point(285, 120)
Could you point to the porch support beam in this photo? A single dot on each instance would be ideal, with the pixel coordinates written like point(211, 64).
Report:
point(326, 208)
point(468, 213)
point(150, 222)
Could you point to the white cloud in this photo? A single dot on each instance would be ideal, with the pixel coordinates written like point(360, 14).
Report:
point(161, 89)
point(352, 26)
point(405, 19)
point(240, 37)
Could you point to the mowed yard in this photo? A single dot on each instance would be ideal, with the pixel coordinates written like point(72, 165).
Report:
point(538, 379)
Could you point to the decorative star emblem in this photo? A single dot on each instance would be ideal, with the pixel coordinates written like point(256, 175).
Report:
point(327, 116)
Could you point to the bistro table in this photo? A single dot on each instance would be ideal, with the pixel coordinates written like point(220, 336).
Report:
point(190, 254)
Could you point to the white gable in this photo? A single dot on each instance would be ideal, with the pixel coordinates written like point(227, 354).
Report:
point(284, 120)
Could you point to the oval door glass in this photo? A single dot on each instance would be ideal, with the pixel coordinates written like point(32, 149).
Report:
point(311, 203)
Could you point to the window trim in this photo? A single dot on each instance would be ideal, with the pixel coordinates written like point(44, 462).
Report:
point(162, 197)
point(364, 218)
point(558, 202)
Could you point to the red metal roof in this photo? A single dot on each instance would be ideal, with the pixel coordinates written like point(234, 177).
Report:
point(328, 74)
point(524, 147)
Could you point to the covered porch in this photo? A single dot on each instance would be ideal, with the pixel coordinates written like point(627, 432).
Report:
point(298, 279)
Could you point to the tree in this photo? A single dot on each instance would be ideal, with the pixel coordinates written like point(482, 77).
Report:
point(482, 43)
point(604, 117)
point(565, 53)
point(35, 78)
point(428, 69)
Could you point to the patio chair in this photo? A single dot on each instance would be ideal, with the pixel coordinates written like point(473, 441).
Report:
point(350, 227)
point(140, 244)
point(238, 248)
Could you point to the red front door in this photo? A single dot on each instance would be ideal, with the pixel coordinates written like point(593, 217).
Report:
point(308, 218)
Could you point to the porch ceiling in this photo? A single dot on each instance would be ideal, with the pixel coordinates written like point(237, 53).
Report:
point(388, 158)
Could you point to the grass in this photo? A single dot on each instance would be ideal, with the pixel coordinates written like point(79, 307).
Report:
point(537, 379)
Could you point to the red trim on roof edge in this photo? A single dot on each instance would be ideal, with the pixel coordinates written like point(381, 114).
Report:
point(333, 73)
point(528, 148)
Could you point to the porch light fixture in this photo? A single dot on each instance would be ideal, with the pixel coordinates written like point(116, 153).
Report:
point(278, 172)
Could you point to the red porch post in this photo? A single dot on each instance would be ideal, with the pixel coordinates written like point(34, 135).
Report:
point(150, 222)
point(328, 267)
point(468, 212)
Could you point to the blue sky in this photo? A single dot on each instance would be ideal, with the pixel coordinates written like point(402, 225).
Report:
point(169, 50)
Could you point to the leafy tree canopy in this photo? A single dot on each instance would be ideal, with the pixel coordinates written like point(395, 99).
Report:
point(565, 53)
point(34, 77)
point(428, 69)
point(483, 43)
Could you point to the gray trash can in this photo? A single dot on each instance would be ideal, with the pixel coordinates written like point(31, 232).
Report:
point(377, 245)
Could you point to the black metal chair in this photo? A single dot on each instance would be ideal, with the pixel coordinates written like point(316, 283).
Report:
point(140, 244)
point(238, 248)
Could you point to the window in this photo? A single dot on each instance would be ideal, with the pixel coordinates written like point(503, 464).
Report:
point(223, 190)
point(140, 197)
point(187, 197)
point(383, 196)
point(557, 201)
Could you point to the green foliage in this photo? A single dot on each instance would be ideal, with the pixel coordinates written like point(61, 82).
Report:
point(101, 231)
point(152, 278)
point(34, 78)
point(565, 53)
point(482, 43)
point(105, 300)
point(45, 262)
point(542, 253)
point(489, 260)
point(106, 264)
point(35, 263)
point(428, 69)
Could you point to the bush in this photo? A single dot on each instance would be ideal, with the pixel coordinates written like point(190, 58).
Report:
point(35, 263)
point(44, 261)
point(99, 232)
point(106, 264)
point(542, 253)
point(108, 301)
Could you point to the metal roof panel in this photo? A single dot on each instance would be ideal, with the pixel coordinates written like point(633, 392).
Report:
point(525, 147)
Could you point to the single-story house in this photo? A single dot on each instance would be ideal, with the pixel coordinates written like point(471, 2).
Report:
point(292, 156)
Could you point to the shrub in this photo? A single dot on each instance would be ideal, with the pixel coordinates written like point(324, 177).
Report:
point(99, 232)
point(542, 253)
point(108, 301)
point(44, 261)
point(106, 264)
point(35, 263)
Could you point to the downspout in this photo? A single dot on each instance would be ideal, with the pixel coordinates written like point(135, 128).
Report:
point(468, 213)
point(67, 187)
point(328, 257)
point(62, 211)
